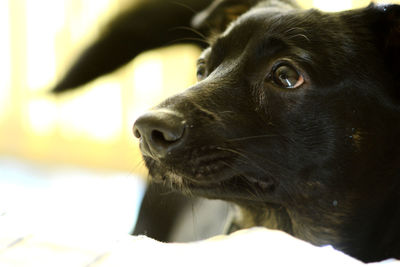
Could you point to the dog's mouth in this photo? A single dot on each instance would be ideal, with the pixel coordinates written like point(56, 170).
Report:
point(234, 188)
point(212, 172)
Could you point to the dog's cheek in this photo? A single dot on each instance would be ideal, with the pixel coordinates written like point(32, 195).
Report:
point(153, 168)
point(354, 139)
point(322, 148)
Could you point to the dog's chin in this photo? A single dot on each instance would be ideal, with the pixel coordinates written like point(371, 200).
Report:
point(223, 183)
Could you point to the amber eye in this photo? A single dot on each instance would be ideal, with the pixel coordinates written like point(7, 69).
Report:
point(201, 70)
point(286, 76)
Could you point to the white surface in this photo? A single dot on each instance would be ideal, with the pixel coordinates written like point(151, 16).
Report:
point(251, 247)
point(68, 200)
point(60, 216)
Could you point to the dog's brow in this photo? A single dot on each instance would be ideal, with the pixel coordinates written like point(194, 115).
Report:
point(269, 45)
point(218, 42)
point(217, 47)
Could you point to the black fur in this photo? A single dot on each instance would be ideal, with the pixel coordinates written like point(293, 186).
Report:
point(320, 161)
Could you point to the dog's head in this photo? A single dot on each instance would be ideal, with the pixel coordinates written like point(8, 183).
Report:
point(293, 108)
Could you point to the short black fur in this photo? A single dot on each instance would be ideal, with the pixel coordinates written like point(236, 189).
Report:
point(319, 160)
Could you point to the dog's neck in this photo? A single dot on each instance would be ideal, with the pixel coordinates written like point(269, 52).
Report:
point(292, 221)
point(369, 228)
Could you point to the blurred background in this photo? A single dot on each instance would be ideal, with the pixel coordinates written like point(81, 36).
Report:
point(70, 162)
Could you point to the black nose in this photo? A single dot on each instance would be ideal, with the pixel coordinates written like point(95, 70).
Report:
point(160, 132)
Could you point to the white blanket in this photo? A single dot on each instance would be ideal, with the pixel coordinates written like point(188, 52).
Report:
point(252, 247)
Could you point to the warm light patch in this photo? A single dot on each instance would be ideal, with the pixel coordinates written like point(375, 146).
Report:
point(332, 6)
point(41, 27)
point(96, 114)
point(147, 81)
point(5, 62)
point(85, 14)
point(148, 76)
point(42, 115)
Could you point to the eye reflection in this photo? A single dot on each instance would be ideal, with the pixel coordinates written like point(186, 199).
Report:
point(286, 76)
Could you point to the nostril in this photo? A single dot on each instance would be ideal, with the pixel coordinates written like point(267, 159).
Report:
point(158, 137)
point(160, 132)
point(165, 137)
point(136, 133)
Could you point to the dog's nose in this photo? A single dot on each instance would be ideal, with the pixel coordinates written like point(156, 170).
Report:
point(160, 132)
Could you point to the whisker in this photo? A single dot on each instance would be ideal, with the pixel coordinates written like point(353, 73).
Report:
point(300, 35)
point(297, 32)
point(232, 151)
point(248, 161)
point(241, 154)
point(187, 39)
point(139, 163)
point(185, 6)
point(191, 30)
point(295, 29)
point(254, 192)
point(251, 137)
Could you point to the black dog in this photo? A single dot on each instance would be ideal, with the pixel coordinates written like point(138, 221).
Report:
point(296, 119)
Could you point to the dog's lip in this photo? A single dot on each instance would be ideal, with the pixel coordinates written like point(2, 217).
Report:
point(253, 181)
point(210, 177)
point(217, 180)
point(228, 189)
point(202, 166)
point(234, 180)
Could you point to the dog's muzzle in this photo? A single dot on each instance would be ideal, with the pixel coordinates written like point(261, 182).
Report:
point(160, 132)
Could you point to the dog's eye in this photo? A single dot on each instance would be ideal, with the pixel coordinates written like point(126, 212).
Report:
point(201, 70)
point(286, 76)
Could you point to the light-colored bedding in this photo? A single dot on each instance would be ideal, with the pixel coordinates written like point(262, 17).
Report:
point(253, 247)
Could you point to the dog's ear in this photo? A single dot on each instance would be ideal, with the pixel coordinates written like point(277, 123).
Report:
point(220, 13)
point(125, 37)
point(387, 30)
point(392, 45)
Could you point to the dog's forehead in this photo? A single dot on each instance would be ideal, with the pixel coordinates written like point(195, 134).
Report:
point(255, 30)
point(260, 32)
point(321, 34)
point(262, 22)
point(250, 24)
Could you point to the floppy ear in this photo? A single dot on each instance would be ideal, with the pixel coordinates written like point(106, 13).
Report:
point(384, 20)
point(145, 25)
point(392, 38)
point(220, 13)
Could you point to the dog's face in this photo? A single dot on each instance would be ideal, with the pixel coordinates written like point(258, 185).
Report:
point(295, 111)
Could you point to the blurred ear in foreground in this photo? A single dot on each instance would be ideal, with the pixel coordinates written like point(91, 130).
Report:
point(146, 25)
